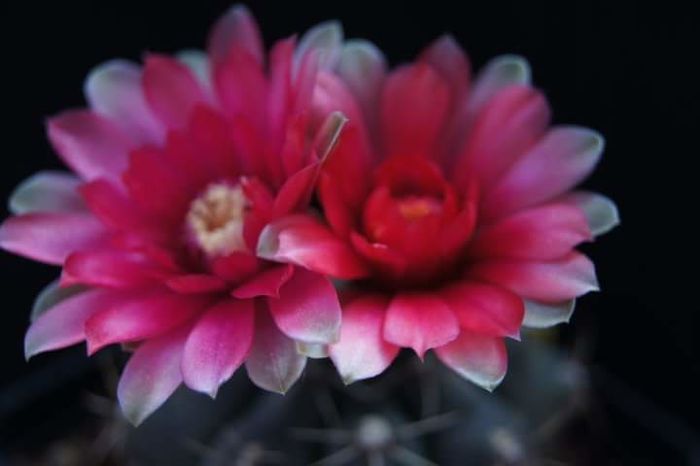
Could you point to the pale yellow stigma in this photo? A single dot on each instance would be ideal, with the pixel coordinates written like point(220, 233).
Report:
point(216, 218)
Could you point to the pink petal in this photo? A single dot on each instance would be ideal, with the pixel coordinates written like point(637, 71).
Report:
point(196, 283)
point(545, 315)
point(307, 308)
point(485, 309)
point(64, 324)
point(273, 362)
point(480, 359)
point(512, 121)
point(325, 39)
point(218, 345)
point(199, 64)
point(449, 59)
point(499, 73)
point(146, 315)
point(90, 144)
point(236, 28)
point(265, 283)
point(559, 280)
point(171, 90)
point(419, 321)
point(601, 212)
point(362, 351)
point(112, 269)
point(47, 191)
point(562, 159)
point(414, 105)
point(113, 89)
point(303, 240)
point(51, 237)
point(543, 233)
point(151, 375)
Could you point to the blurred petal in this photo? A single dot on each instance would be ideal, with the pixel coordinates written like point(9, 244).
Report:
point(363, 68)
point(601, 212)
point(47, 191)
point(499, 73)
point(51, 295)
point(265, 283)
point(543, 315)
point(236, 28)
point(325, 39)
point(478, 358)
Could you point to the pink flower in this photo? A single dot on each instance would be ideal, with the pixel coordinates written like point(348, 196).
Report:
point(180, 163)
point(455, 196)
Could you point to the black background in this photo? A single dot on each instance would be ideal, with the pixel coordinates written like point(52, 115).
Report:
point(626, 69)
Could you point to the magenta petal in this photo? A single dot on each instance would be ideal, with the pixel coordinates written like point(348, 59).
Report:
point(218, 345)
point(307, 309)
point(146, 315)
point(151, 375)
point(266, 283)
point(47, 191)
point(51, 237)
point(236, 28)
point(419, 321)
point(112, 268)
point(484, 308)
point(554, 281)
point(64, 324)
point(480, 359)
point(90, 144)
point(362, 351)
point(196, 283)
point(273, 362)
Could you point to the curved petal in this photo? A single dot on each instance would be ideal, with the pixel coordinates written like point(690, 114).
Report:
point(266, 283)
point(419, 321)
point(362, 351)
point(307, 308)
point(543, 315)
point(112, 269)
point(480, 359)
point(273, 362)
point(363, 68)
point(236, 28)
point(198, 63)
point(485, 309)
point(450, 60)
point(499, 73)
point(146, 315)
point(600, 211)
point(218, 345)
point(196, 283)
point(563, 158)
point(113, 89)
point(90, 144)
point(151, 375)
point(325, 39)
point(47, 191)
point(63, 324)
point(554, 281)
point(304, 241)
point(51, 295)
point(51, 237)
point(543, 233)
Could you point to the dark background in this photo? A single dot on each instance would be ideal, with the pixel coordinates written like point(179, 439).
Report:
point(626, 69)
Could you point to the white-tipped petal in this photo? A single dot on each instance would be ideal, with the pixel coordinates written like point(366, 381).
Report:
point(544, 315)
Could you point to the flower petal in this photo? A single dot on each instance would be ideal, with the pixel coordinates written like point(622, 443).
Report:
point(63, 324)
point(303, 240)
point(50, 237)
point(419, 321)
point(543, 315)
point(480, 359)
point(198, 63)
point(554, 281)
point(151, 375)
point(499, 73)
point(325, 39)
point(363, 68)
point(90, 144)
point(147, 315)
point(265, 283)
point(196, 283)
point(218, 345)
point(307, 308)
point(112, 269)
point(113, 90)
point(236, 28)
point(47, 191)
point(563, 158)
point(601, 212)
point(273, 362)
point(485, 309)
point(362, 351)
point(51, 295)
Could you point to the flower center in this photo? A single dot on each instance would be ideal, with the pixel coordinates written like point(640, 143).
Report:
point(216, 218)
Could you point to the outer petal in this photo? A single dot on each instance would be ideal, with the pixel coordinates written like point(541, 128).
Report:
point(113, 89)
point(307, 308)
point(543, 315)
point(600, 211)
point(325, 39)
point(543, 233)
point(236, 28)
point(47, 191)
point(273, 362)
point(112, 269)
point(64, 324)
point(90, 144)
point(419, 321)
point(362, 351)
point(198, 63)
point(560, 280)
point(480, 359)
point(51, 237)
point(485, 309)
point(151, 375)
point(449, 59)
point(51, 295)
point(217, 345)
point(265, 283)
point(563, 158)
point(499, 73)
point(304, 241)
point(146, 315)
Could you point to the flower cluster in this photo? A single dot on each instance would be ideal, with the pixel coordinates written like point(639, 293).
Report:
point(188, 231)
